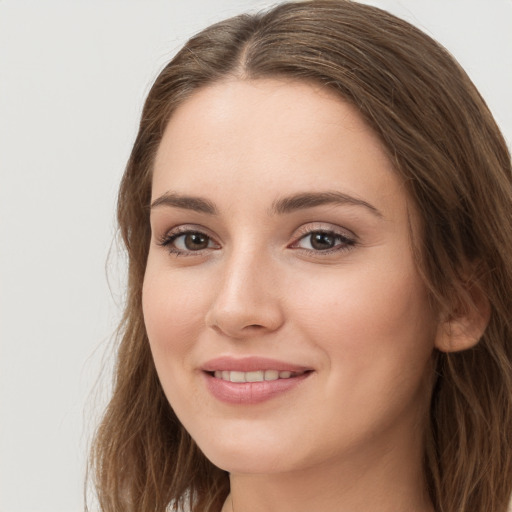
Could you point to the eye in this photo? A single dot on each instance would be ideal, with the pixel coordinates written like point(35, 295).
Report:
point(187, 241)
point(324, 241)
point(192, 241)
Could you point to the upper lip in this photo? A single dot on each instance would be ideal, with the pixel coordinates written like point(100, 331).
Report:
point(250, 364)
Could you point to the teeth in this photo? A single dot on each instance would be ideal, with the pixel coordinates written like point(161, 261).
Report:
point(256, 376)
point(237, 377)
point(271, 375)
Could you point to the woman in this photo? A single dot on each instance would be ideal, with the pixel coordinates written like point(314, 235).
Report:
point(317, 213)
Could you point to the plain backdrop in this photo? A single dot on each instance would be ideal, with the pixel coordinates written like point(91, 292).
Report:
point(73, 75)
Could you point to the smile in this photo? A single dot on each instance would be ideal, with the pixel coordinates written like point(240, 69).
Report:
point(255, 376)
point(252, 380)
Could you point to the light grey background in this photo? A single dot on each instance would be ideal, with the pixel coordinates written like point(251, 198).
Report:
point(73, 75)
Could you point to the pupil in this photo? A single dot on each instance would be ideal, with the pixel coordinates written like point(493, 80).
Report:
point(322, 241)
point(196, 241)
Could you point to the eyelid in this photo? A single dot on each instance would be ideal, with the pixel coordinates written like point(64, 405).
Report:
point(165, 240)
point(325, 227)
point(348, 237)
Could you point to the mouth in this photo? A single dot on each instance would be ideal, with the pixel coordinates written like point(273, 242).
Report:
point(252, 380)
point(255, 376)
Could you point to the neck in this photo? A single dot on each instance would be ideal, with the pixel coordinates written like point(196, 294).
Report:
point(260, 493)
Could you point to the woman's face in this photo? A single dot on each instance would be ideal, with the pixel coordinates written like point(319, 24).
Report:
point(287, 320)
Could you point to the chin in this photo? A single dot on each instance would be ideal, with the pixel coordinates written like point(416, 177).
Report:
point(253, 464)
point(254, 457)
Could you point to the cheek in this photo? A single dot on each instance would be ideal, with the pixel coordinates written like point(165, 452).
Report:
point(376, 334)
point(173, 311)
point(378, 315)
point(173, 315)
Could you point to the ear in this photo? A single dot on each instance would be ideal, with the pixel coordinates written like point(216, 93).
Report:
point(465, 325)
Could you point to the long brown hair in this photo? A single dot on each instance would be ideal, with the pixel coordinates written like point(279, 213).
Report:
point(448, 150)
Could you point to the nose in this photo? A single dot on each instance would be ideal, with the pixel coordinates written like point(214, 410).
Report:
point(247, 299)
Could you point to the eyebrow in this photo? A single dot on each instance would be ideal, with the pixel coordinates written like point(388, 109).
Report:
point(197, 204)
point(281, 206)
point(312, 199)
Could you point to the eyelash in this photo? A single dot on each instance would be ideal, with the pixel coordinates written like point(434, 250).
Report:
point(343, 242)
point(169, 238)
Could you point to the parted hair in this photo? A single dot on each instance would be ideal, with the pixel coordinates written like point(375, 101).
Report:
point(444, 145)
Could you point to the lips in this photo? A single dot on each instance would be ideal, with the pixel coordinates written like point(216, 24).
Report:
point(251, 380)
point(251, 364)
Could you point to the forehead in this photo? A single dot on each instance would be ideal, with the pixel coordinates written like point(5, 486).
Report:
point(269, 137)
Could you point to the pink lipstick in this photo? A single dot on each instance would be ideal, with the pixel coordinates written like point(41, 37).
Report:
point(251, 380)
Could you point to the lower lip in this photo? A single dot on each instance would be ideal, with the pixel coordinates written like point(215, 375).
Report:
point(248, 393)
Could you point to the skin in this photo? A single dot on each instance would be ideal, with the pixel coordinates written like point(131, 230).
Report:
point(349, 437)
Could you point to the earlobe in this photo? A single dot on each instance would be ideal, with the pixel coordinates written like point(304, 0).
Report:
point(465, 326)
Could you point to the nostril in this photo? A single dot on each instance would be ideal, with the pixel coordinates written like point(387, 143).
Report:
point(239, 318)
